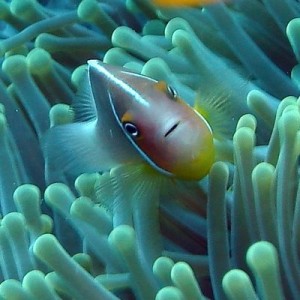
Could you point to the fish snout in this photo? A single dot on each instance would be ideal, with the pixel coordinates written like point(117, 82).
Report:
point(171, 129)
point(191, 149)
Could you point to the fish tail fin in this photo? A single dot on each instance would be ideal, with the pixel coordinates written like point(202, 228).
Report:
point(72, 149)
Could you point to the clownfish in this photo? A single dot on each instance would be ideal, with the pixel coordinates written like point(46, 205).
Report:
point(174, 3)
point(124, 117)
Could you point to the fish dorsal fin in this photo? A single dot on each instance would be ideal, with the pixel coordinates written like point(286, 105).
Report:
point(216, 109)
point(84, 103)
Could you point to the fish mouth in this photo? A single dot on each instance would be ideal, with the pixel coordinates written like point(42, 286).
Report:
point(172, 128)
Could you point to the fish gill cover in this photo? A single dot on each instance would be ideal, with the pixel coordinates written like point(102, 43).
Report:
point(232, 235)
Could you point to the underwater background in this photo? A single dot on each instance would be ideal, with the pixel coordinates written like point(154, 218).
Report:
point(233, 235)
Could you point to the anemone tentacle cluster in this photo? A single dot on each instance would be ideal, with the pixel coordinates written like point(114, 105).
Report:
point(233, 235)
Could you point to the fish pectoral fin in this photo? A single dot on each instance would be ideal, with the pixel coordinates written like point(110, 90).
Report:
point(134, 182)
point(105, 191)
point(216, 109)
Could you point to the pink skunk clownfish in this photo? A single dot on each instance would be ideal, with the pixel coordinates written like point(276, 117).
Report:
point(123, 117)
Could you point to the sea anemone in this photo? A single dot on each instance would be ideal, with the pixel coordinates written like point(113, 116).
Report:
point(232, 235)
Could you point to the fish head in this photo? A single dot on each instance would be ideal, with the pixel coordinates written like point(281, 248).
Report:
point(169, 134)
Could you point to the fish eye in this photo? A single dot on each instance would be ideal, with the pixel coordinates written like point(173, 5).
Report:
point(131, 129)
point(171, 92)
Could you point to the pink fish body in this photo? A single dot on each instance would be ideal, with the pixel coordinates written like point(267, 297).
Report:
point(124, 117)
